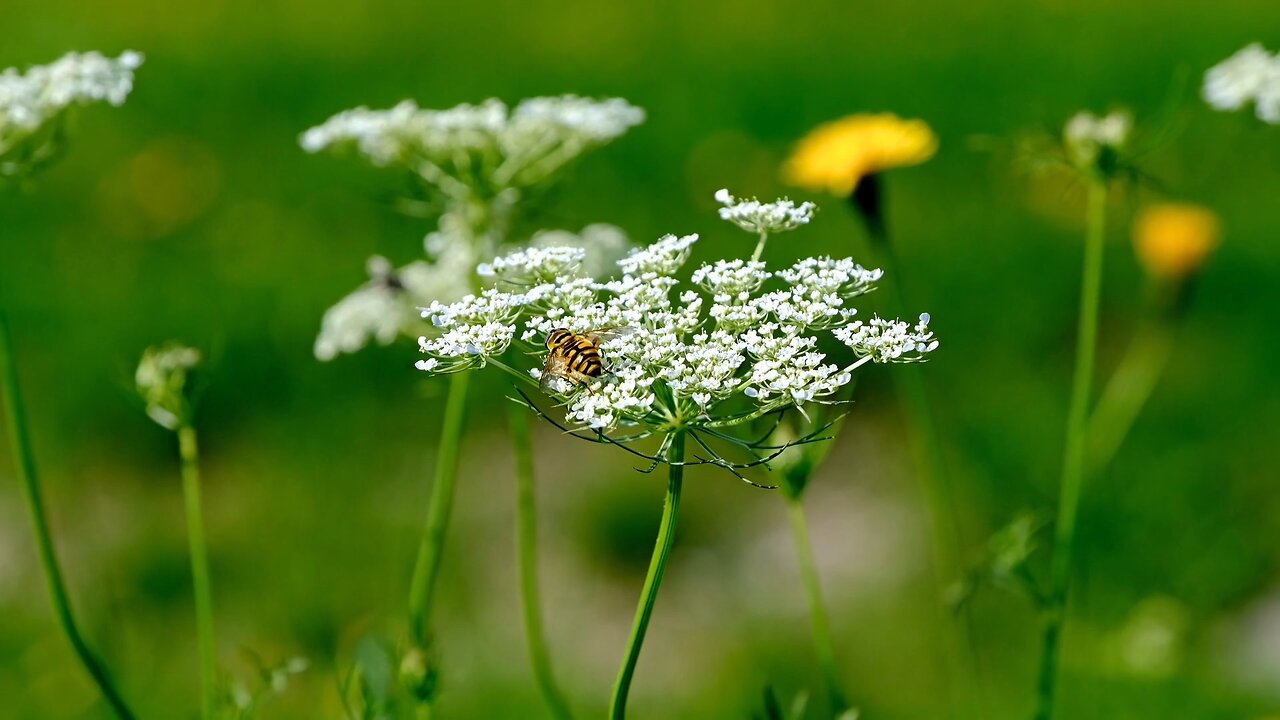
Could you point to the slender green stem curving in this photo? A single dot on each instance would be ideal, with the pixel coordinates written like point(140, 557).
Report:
point(20, 436)
point(1127, 392)
point(822, 640)
point(1073, 463)
point(201, 586)
point(658, 564)
point(764, 239)
point(527, 554)
point(439, 508)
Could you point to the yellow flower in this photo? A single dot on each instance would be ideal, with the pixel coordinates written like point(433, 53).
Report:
point(1173, 240)
point(835, 156)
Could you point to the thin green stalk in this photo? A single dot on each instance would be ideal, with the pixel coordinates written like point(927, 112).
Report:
point(1127, 391)
point(764, 239)
point(20, 436)
point(1073, 463)
point(823, 643)
point(649, 594)
point(947, 540)
point(427, 567)
point(527, 553)
point(190, 454)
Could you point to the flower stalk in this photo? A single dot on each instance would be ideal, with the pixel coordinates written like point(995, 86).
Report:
point(764, 240)
point(1074, 458)
point(823, 643)
point(1127, 392)
point(427, 567)
point(527, 554)
point(188, 450)
point(20, 437)
point(657, 565)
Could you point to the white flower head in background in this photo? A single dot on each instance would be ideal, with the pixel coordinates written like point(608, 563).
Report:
point(478, 150)
point(700, 358)
point(1093, 142)
point(385, 307)
point(1250, 75)
point(476, 161)
point(764, 218)
point(162, 379)
point(31, 103)
point(604, 244)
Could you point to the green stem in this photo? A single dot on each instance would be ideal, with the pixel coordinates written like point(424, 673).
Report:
point(823, 643)
point(427, 567)
point(20, 437)
point(527, 553)
point(1074, 457)
point(1127, 391)
point(764, 239)
point(649, 594)
point(190, 454)
point(926, 448)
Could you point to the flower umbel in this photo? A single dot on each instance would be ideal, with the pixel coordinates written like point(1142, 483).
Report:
point(1094, 143)
point(836, 156)
point(1250, 75)
point(675, 359)
point(162, 381)
point(478, 150)
point(764, 218)
point(31, 103)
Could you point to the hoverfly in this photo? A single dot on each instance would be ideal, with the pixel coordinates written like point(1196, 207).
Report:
point(576, 356)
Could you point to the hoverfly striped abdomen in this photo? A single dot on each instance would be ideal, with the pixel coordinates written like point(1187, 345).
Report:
point(576, 356)
point(579, 353)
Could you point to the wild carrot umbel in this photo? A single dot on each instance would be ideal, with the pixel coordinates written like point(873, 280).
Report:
point(688, 373)
point(24, 456)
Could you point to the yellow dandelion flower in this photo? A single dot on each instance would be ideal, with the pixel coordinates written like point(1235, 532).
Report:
point(1173, 240)
point(837, 155)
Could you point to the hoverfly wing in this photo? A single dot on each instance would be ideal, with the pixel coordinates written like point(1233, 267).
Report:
point(557, 366)
point(600, 335)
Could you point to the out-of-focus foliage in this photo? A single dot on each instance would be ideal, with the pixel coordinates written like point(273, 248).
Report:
point(191, 212)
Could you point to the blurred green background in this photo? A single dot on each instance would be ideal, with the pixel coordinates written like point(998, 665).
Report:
point(191, 213)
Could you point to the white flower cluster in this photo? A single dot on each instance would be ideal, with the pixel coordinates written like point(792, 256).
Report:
point(389, 304)
point(818, 291)
point(605, 245)
point(467, 146)
point(386, 307)
point(764, 218)
point(474, 328)
point(889, 340)
point(161, 380)
point(535, 265)
point(1088, 136)
point(1251, 75)
point(664, 257)
point(30, 100)
point(669, 359)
